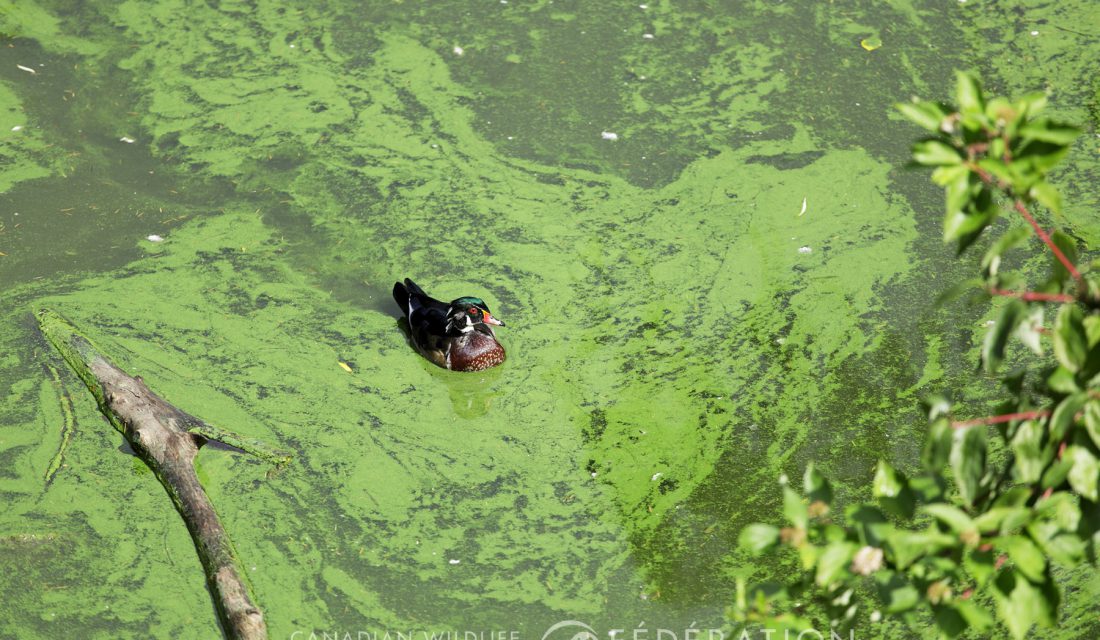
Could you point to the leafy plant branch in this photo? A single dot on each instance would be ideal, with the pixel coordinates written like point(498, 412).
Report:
point(973, 538)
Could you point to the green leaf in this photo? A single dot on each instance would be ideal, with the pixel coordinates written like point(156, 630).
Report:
point(924, 114)
point(976, 616)
point(833, 563)
point(892, 490)
point(1056, 473)
point(1065, 548)
point(908, 546)
point(1062, 380)
point(1063, 417)
point(758, 538)
point(1047, 195)
point(980, 563)
point(1020, 604)
point(952, 516)
point(937, 444)
point(928, 488)
point(1000, 169)
point(1031, 104)
point(1092, 420)
point(816, 485)
point(949, 621)
point(1030, 329)
point(1014, 497)
point(1070, 343)
point(794, 507)
point(1003, 519)
point(968, 457)
point(1085, 471)
point(896, 593)
point(968, 93)
point(1009, 240)
point(958, 194)
point(979, 214)
point(1046, 130)
point(947, 174)
point(1040, 157)
point(870, 524)
point(996, 339)
point(1068, 246)
point(936, 154)
point(1031, 456)
point(1028, 558)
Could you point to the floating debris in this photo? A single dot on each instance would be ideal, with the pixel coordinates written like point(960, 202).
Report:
point(27, 69)
point(154, 238)
point(607, 135)
point(803, 207)
point(459, 50)
point(344, 366)
point(871, 43)
point(17, 127)
point(453, 561)
point(1034, 33)
point(656, 476)
point(804, 250)
point(648, 36)
point(127, 140)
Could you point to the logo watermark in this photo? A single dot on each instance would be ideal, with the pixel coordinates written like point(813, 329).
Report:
point(577, 630)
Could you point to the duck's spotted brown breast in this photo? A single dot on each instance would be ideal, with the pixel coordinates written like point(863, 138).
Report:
point(478, 354)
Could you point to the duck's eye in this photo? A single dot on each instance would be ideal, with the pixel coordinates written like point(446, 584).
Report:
point(474, 312)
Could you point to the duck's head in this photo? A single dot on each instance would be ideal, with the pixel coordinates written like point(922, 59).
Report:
point(468, 313)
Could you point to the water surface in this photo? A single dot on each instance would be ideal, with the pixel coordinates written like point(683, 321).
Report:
point(679, 334)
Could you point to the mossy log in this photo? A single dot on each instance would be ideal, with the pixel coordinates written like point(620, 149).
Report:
point(168, 440)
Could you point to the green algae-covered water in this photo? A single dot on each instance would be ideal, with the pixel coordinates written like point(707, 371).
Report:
point(693, 216)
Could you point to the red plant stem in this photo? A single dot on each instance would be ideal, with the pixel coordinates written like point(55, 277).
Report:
point(1007, 417)
point(988, 178)
point(1048, 242)
point(1034, 295)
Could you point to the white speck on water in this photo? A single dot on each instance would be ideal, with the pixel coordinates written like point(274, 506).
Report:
point(656, 475)
point(643, 6)
point(511, 137)
point(292, 46)
point(594, 474)
point(17, 127)
point(780, 340)
point(452, 560)
point(127, 140)
point(154, 238)
point(804, 250)
point(1034, 33)
point(27, 69)
point(607, 135)
point(459, 50)
point(647, 36)
point(990, 323)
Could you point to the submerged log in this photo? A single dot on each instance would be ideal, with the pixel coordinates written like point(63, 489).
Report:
point(168, 440)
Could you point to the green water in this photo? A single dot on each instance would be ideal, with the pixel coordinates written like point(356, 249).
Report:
point(678, 333)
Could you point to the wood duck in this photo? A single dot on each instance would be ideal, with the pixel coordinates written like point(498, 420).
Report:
point(455, 336)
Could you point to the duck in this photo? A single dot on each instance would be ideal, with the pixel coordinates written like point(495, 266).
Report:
point(457, 336)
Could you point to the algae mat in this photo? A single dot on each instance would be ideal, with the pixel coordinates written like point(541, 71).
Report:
point(690, 217)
